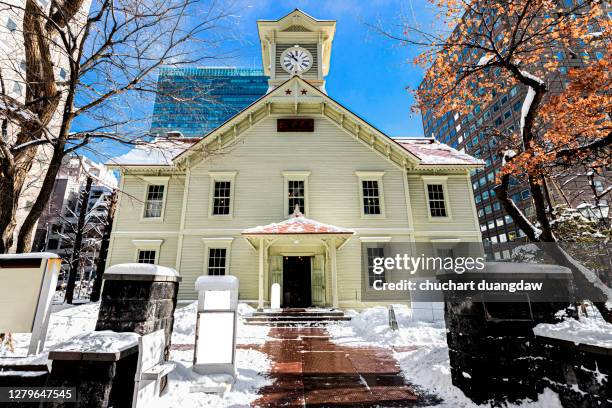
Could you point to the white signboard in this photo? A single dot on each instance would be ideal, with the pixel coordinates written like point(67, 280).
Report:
point(215, 338)
point(29, 282)
point(214, 351)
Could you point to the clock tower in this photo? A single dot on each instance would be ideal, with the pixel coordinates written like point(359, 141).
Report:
point(296, 44)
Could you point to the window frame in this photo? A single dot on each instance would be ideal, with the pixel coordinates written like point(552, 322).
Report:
point(443, 181)
point(154, 181)
point(373, 242)
point(220, 176)
point(147, 245)
point(371, 176)
point(301, 175)
point(217, 243)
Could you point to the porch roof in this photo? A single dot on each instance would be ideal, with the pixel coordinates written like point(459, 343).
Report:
point(297, 224)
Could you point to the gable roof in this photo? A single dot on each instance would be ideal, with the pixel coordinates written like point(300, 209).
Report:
point(280, 93)
point(416, 152)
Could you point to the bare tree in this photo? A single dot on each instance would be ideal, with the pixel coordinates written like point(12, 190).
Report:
point(75, 259)
point(496, 45)
point(111, 51)
point(104, 245)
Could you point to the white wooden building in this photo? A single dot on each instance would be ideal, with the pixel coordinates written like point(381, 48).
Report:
point(226, 203)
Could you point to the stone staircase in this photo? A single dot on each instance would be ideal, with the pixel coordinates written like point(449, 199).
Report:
point(296, 317)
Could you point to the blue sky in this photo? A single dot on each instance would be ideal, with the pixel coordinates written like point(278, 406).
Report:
point(368, 73)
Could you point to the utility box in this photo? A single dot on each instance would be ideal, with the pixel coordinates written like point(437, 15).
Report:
point(215, 345)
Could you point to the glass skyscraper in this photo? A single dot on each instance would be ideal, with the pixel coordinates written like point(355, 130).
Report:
point(195, 101)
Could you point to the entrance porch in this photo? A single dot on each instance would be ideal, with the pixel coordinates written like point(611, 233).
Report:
point(300, 255)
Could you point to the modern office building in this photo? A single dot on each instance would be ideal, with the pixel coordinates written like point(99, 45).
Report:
point(194, 101)
point(472, 134)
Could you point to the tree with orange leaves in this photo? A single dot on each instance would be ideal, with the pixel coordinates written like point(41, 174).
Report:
point(501, 43)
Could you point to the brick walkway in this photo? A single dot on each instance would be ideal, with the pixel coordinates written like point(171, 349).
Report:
point(310, 371)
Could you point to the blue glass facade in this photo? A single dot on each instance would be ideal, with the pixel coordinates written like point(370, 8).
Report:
point(195, 101)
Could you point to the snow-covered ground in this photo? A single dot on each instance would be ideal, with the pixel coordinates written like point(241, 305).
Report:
point(251, 364)
point(428, 365)
point(67, 322)
point(419, 347)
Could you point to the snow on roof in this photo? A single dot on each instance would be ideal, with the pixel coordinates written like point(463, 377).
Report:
point(432, 152)
point(105, 341)
point(30, 255)
point(158, 152)
point(141, 269)
point(592, 330)
point(297, 225)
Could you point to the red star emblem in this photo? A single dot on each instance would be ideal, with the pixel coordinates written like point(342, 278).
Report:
point(303, 92)
point(288, 92)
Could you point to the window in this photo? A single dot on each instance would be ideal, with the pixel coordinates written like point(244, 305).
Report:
point(221, 202)
point(216, 261)
point(372, 253)
point(296, 191)
point(371, 197)
point(146, 256)
point(371, 191)
point(11, 25)
point(155, 201)
point(222, 197)
point(52, 243)
point(295, 195)
point(217, 258)
point(17, 89)
point(435, 196)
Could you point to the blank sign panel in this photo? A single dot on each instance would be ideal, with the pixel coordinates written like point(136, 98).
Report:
point(215, 338)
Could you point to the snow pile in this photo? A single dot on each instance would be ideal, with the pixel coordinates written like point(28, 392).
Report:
point(252, 365)
point(592, 330)
point(421, 351)
point(63, 325)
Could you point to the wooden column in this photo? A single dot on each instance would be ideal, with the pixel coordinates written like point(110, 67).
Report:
point(334, 272)
point(262, 248)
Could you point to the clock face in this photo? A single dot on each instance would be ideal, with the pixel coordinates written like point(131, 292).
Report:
point(296, 60)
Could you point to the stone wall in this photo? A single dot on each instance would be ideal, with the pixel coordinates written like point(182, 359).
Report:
point(99, 384)
point(138, 303)
point(491, 341)
point(581, 374)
